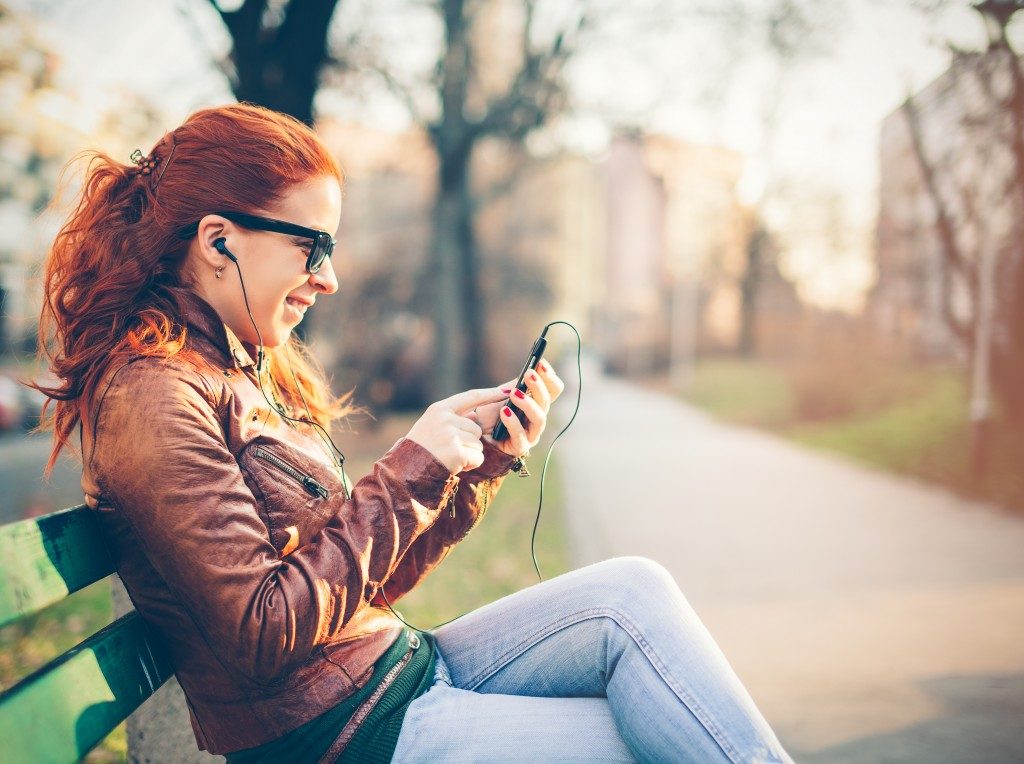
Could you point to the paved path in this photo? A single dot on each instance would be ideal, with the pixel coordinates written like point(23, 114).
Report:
point(873, 619)
point(23, 490)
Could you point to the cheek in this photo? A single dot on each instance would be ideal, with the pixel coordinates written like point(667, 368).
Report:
point(272, 293)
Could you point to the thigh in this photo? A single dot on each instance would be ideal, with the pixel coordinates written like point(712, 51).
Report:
point(452, 725)
point(552, 638)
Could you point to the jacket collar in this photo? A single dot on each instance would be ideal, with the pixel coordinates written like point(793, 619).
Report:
point(202, 318)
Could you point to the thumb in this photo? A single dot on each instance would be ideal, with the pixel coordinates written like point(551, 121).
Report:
point(460, 403)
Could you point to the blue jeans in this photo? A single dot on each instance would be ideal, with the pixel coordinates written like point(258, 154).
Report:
point(606, 663)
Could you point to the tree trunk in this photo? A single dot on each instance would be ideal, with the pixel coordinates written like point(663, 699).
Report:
point(460, 353)
point(981, 360)
point(749, 290)
point(279, 66)
point(1008, 355)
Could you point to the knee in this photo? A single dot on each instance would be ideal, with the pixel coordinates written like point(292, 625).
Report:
point(637, 579)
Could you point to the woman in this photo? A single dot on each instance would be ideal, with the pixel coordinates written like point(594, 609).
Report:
point(173, 289)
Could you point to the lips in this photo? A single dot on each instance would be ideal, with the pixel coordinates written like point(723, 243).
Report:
point(298, 302)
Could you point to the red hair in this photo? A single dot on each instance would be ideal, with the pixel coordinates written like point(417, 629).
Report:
point(109, 275)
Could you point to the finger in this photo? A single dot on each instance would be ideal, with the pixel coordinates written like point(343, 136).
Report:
point(493, 408)
point(474, 459)
point(487, 414)
point(516, 434)
point(471, 445)
point(534, 413)
point(536, 418)
point(538, 389)
point(466, 424)
point(468, 440)
point(470, 399)
point(552, 381)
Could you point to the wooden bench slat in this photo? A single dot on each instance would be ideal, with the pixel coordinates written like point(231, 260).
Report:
point(44, 559)
point(61, 711)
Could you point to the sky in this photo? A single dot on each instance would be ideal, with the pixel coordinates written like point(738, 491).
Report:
point(829, 106)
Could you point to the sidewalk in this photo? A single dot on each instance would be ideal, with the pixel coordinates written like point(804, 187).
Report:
point(872, 618)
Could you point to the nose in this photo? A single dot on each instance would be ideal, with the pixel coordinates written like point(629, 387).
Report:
point(325, 279)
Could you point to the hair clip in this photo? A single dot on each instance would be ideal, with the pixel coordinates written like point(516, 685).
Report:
point(145, 164)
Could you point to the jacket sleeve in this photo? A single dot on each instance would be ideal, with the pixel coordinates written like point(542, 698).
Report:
point(474, 491)
point(161, 459)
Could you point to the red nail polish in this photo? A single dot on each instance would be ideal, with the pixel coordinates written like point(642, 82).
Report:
point(506, 389)
point(542, 366)
point(506, 411)
point(519, 394)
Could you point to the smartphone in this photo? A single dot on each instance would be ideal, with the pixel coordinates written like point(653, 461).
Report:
point(500, 432)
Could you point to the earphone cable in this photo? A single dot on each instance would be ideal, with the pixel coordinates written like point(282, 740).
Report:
point(341, 462)
point(259, 378)
point(543, 473)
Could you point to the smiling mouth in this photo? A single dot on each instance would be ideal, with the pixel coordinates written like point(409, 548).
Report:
point(299, 306)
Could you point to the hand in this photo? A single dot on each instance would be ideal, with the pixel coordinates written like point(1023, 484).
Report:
point(451, 436)
point(543, 387)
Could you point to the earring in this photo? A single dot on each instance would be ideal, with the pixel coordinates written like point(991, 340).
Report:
point(220, 271)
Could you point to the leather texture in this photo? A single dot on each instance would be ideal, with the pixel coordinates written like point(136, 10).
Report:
point(263, 586)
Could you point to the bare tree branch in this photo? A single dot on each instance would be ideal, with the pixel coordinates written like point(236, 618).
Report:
point(537, 87)
point(944, 225)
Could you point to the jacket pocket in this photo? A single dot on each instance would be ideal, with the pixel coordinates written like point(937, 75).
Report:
point(306, 481)
point(296, 494)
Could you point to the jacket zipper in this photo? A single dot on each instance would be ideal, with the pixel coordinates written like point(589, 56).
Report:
point(451, 499)
point(488, 484)
point(357, 718)
point(311, 485)
point(486, 498)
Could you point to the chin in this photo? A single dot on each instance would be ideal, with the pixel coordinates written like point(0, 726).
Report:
point(278, 338)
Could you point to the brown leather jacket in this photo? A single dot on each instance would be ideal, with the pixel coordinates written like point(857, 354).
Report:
point(232, 533)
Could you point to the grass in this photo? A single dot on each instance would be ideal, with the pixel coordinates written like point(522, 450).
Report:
point(925, 434)
point(494, 560)
point(33, 641)
point(907, 419)
point(749, 393)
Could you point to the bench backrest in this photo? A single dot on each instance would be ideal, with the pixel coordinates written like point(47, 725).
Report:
point(61, 711)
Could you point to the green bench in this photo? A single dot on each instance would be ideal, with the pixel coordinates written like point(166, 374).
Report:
point(64, 709)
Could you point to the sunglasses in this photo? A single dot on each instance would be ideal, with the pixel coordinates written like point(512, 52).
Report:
point(323, 242)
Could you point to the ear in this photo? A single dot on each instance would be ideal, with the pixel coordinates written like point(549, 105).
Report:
point(211, 228)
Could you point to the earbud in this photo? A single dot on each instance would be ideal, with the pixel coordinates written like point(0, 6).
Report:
point(222, 247)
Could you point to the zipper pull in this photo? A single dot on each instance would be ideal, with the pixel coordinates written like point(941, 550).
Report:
point(451, 487)
point(452, 499)
point(314, 487)
point(519, 466)
point(344, 480)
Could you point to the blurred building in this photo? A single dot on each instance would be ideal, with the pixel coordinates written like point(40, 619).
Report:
point(959, 122)
point(677, 252)
point(643, 251)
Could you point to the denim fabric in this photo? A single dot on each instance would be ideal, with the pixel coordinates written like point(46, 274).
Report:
point(606, 663)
